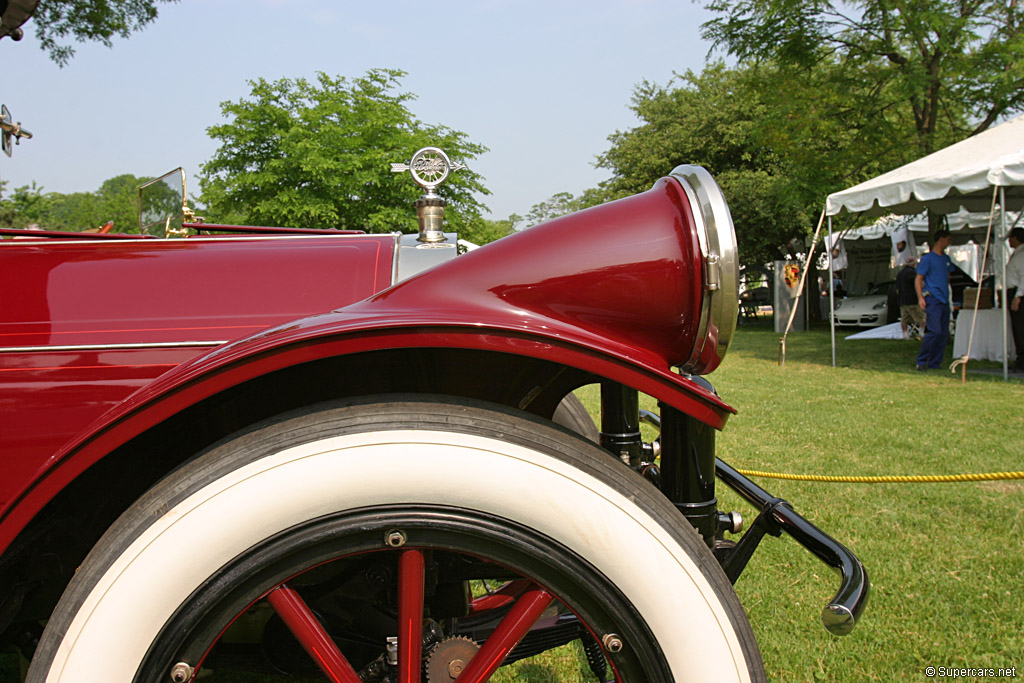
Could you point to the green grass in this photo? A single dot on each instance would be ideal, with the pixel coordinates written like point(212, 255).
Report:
point(946, 561)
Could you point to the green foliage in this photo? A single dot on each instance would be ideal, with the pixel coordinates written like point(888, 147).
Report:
point(484, 231)
point(560, 204)
point(554, 206)
point(766, 214)
point(100, 20)
point(777, 139)
point(25, 206)
point(944, 560)
point(725, 120)
point(953, 68)
point(318, 155)
point(116, 200)
point(709, 119)
point(825, 96)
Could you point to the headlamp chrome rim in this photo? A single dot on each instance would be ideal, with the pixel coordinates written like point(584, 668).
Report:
point(719, 265)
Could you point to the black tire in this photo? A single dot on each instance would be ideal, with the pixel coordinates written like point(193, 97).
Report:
point(571, 414)
point(335, 483)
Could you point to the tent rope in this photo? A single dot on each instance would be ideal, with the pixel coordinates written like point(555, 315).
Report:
point(887, 479)
point(962, 361)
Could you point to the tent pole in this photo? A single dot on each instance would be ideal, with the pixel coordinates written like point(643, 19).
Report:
point(1002, 260)
point(831, 293)
point(800, 289)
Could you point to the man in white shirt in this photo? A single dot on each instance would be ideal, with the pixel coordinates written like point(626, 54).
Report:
point(1015, 292)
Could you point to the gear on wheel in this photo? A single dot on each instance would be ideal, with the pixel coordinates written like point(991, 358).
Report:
point(448, 659)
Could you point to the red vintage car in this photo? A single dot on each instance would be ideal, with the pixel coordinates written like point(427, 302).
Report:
point(299, 453)
point(235, 453)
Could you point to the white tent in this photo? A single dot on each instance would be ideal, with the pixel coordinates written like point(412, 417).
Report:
point(959, 222)
point(961, 175)
point(967, 175)
point(906, 236)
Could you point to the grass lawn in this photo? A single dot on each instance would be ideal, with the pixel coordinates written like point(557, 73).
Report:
point(946, 561)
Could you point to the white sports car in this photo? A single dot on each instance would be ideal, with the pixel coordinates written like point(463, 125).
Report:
point(869, 310)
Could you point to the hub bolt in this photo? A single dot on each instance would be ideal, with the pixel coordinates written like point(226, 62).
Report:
point(181, 672)
point(612, 642)
point(455, 667)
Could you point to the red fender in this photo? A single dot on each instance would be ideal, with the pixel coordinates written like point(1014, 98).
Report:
point(615, 291)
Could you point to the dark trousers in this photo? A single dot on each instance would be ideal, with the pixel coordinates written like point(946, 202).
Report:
point(936, 334)
point(1017, 327)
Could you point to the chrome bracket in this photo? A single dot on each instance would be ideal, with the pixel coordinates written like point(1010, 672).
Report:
point(712, 273)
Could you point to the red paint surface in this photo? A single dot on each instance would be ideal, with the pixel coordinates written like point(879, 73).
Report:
point(410, 616)
point(501, 597)
point(47, 398)
point(94, 293)
point(516, 624)
point(147, 291)
point(614, 290)
point(311, 634)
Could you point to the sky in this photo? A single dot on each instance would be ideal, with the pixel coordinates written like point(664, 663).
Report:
point(541, 84)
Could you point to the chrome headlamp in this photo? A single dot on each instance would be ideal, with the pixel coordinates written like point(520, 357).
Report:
point(720, 264)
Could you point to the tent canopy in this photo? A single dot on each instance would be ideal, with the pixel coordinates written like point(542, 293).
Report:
point(961, 176)
point(958, 176)
point(961, 222)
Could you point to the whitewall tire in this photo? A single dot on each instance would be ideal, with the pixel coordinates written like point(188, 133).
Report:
point(453, 478)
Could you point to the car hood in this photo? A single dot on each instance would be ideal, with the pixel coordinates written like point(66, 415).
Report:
point(861, 303)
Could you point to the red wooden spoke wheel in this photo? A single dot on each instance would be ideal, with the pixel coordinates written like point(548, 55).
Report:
point(340, 542)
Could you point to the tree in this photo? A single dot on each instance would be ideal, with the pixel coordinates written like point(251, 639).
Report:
point(776, 138)
point(722, 119)
point(559, 204)
point(318, 154)
point(99, 20)
point(116, 200)
point(954, 67)
point(25, 206)
point(484, 230)
point(554, 206)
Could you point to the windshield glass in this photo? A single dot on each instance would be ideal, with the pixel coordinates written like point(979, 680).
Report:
point(161, 201)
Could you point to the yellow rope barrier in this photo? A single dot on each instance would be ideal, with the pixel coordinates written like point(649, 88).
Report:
point(892, 479)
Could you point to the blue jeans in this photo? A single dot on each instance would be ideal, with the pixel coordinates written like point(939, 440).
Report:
point(936, 334)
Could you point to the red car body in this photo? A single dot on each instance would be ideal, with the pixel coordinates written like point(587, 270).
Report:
point(123, 357)
point(98, 321)
point(93, 321)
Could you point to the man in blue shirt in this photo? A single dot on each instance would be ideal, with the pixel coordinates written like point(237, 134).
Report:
point(932, 285)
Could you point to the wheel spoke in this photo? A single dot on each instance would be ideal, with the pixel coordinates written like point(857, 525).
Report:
point(410, 616)
point(516, 624)
point(310, 633)
point(505, 595)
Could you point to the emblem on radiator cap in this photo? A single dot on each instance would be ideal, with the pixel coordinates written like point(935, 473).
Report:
point(429, 167)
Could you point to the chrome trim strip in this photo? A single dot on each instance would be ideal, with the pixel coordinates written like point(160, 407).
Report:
point(161, 240)
point(111, 347)
point(722, 289)
point(704, 319)
point(394, 258)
